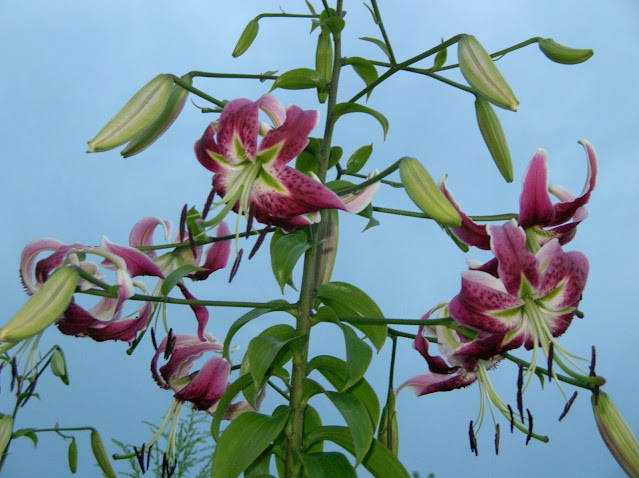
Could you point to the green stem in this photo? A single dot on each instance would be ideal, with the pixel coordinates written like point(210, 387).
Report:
point(247, 76)
point(428, 72)
point(197, 92)
point(501, 53)
point(391, 169)
point(206, 240)
point(380, 23)
point(286, 15)
point(400, 212)
point(394, 184)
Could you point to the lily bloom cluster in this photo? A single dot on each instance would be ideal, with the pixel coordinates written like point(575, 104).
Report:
point(105, 320)
point(526, 295)
point(255, 180)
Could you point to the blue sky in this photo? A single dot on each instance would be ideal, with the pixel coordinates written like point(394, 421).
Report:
point(68, 67)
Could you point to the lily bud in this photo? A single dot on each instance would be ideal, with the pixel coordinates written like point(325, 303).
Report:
point(101, 455)
point(44, 306)
point(616, 434)
point(388, 434)
point(72, 455)
point(59, 366)
point(169, 114)
point(137, 115)
point(481, 73)
point(327, 250)
point(426, 194)
point(494, 138)
point(562, 54)
point(324, 61)
point(6, 430)
point(246, 39)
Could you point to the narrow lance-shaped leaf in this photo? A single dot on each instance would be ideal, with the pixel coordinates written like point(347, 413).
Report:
point(365, 69)
point(357, 419)
point(345, 108)
point(358, 159)
point(327, 465)
point(299, 79)
point(382, 46)
point(286, 250)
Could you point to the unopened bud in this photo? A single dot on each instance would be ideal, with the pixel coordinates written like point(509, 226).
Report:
point(169, 114)
point(324, 61)
point(494, 138)
point(101, 455)
point(481, 73)
point(59, 365)
point(616, 434)
point(72, 455)
point(388, 434)
point(247, 37)
point(327, 250)
point(44, 306)
point(6, 430)
point(136, 116)
point(425, 193)
point(562, 54)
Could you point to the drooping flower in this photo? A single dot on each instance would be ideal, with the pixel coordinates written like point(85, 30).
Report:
point(541, 219)
point(255, 180)
point(203, 388)
point(529, 301)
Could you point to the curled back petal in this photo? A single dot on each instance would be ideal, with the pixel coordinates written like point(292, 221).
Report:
point(28, 260)
point(469, 232)
point(142, 232)
point(535, 205)
point(137, 263)
point(217, 256)
point(273, 108)
point(208, 385)
point(433, 382)
point(200, 311)
point(358, 201)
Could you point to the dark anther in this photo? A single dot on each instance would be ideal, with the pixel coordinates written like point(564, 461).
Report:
point(14, 372)
point(520, 393)
point(568, 405)
point(30, 390)
point(497, 439)
point(258, 243)
point(208, 203)
point(172, 469)
point(182, 223)
point(249, 222)
point(530, 426)
point(192, 242)
point(153, 341)
point(593, 361)
point(473, 439)
point(148, 457)
point(512, 419)
point(236, 264)
point(139, 454)
point(551, 353)
point(579, 314)
point(170, 342)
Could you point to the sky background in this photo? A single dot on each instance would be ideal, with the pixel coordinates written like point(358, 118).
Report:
point(69, 66)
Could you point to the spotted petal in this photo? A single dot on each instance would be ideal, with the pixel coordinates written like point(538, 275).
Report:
point(286, 142)
point(535, 205)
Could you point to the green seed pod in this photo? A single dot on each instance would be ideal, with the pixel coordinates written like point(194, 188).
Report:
point(324, 61)
point(137, 115)
point(425, 193)
point(43, 308)
point(247, 37)
point(171, 111)
point(482, 74)
point(73, 456)
point(59, 365)
point(562, 54)
point(494, 138)
point(101, 455)
point(616, 434)
point(6, 430)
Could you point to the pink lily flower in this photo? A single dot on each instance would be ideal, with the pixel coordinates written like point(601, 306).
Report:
point(203, 388)
point(255, 180)
point(537, 213)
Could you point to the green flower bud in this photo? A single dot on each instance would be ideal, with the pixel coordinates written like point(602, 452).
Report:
point(6, 430)
point(494, 138)
point(616, 434)
point(169, 114)
point(59, 365)
point(73, 456)
point(247, 37)
point(481, 73)
point(136, 116)
point(388, 433)
point(425, 193)
point(327, 250)
point(43, 308)
point(101, 455)
point(324, 61)
point(562, 54)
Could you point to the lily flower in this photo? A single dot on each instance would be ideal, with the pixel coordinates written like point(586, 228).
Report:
point(531, 300)
point(541, 219)
point(203, 388)
point(456, 368)
point(255, 180)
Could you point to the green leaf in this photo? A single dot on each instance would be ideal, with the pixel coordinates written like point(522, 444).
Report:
point(286, 250)
point(349, 301)
point(299, 79)
point(310, 7)
point(334, 370)
point(176, 276)
point(335, 24)
point(365, 69)
point(359, 422)
point(244, 440)
point(261, 466)
point(440, 59)
point(345, 108)
point(312, 420)
point(263, 349)
point(334, 156)
point(246, 318)
point(382, 46)
point(358, 159)
point(380, 461)
point(230, 393)
point(367, 212)
point(327, 465)
point(26, 432)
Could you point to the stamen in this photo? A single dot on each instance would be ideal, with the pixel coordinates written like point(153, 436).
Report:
point(579, 314)
point(530, 426)
point(512, 419)
point(236, 264)
point(192, 242)
point(170, 343)
point(520, 394)
point(14, 373)
point(139, 454)
point(473, 439)
point(568, 405)
point(551, 352)
point(208, 203)
point(249, 222)
point(593, 361)
point(148, 457)
point(182, 223)
point(497, 439)
point(259, 241)
point(153, 341)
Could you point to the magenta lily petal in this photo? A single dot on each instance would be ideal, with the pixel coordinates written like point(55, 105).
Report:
point(431, 382)
point(208, 386)
point(357, 202)
point(291, 137)
point(237, 131)
point(28, 260)
point(137, 263)
point(143, 230)
point(273, 108)
point(535, 206)
point(200, 311)
point(469, 232)
point(217, 256)
point(207, 151)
